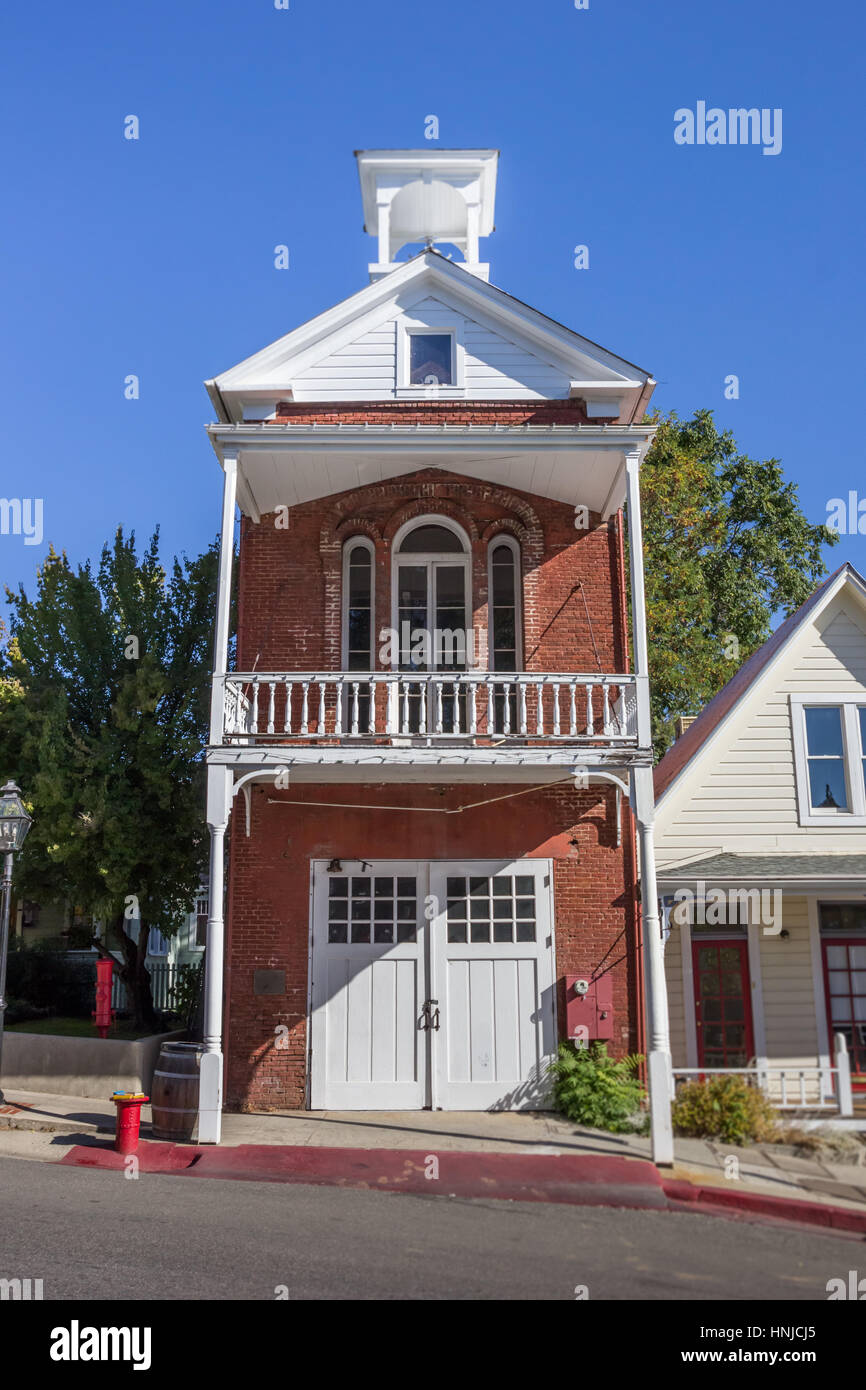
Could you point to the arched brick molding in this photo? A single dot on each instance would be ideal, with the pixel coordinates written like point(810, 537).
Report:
point(421, 506)
point(404, 499)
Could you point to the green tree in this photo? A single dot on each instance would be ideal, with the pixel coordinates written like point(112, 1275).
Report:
point(727, 550)
point(104, 693)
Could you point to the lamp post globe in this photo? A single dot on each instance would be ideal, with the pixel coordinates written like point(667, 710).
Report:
point(14, 825)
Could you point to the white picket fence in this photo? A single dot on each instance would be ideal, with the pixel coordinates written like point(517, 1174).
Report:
point(163, 978)
point(792, 1088)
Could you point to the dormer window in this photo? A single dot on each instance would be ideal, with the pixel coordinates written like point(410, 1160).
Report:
point(830, 756)
point(431, 359)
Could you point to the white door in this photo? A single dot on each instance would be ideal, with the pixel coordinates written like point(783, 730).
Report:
point(432, 985)
point(369, 969)
point(493, 977)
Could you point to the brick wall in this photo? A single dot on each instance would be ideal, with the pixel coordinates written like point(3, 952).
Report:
point(290, 573)
point(290, 619)
point(269, 899)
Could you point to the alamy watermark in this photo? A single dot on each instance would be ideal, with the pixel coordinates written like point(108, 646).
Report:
point(424, 647)
point(724, 907)
point(714, 125)
point(22, 516)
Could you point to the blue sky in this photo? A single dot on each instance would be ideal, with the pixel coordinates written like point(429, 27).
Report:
point(155, 257)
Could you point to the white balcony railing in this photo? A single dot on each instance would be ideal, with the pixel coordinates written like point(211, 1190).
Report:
point(467, 705)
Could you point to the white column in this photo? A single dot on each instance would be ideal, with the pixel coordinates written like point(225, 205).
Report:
point(384, 230)
point(655, 985)
point(224, 598)
point(219, 784)
point(643, 802)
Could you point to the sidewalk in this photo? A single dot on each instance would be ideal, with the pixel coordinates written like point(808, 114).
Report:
point(333, 1146)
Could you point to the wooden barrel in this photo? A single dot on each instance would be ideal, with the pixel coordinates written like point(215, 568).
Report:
point(174, 1093)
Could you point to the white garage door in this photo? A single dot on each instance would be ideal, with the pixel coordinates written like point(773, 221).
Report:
point(432, 985)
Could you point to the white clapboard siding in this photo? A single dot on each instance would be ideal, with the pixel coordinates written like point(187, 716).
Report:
point(788, 988)
point(495, 367)
point(743, 796)
point(676, 1002)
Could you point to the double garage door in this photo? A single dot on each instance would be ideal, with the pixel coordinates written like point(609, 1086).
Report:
point(432, 985)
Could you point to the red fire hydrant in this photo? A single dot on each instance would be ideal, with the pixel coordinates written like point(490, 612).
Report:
point(129, 1105)
point(103, 1013)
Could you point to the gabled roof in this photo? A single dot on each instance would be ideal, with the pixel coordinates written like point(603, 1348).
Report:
point(690, 744)
point(429, 273)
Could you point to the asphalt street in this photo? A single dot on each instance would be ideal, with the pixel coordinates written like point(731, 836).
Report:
point(95, 1234)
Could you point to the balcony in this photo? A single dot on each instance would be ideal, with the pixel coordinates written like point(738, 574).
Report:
point(400, 709)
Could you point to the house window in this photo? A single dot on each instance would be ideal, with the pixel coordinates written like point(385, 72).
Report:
point(503, 629)
point(431, 359)
point(358, 596)
point(198, 934)
point(830, 757)
point(157, 944)
point(504, 587)
point(825, 750)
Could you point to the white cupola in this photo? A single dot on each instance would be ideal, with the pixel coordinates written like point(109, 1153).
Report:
point(429, 196)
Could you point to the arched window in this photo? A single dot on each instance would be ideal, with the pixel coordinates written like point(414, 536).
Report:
point(431, 601)
point(505, 636)
point(358, 605)
point(504, 627)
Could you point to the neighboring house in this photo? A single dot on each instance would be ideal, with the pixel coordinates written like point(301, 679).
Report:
point(761, 856)
point(433, 722)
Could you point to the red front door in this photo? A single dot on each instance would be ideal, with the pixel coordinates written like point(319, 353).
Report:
point(723, 1008)
point(845, 992)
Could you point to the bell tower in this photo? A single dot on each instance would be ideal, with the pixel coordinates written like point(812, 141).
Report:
point(429, 196)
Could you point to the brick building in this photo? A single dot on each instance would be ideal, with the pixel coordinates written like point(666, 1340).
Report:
point(421, 767)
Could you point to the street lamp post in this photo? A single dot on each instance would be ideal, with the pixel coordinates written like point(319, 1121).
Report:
point(14, 824)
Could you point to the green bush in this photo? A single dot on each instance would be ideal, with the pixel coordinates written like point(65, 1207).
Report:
point(44, 976)
point(591, 1088)
point(723, 1107)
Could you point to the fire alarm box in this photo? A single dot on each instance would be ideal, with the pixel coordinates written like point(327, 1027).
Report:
point(589, 1007)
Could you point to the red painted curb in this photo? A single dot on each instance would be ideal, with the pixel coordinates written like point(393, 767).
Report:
point(567, 1178)
point(757, 1204)
point(578, 1180)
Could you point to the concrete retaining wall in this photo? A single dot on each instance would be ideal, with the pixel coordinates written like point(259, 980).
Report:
point(79, 1066)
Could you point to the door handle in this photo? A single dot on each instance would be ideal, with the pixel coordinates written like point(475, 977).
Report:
point(430, 1014)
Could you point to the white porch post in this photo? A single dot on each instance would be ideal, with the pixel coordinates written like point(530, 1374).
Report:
point(643, 803)
point(219, 782)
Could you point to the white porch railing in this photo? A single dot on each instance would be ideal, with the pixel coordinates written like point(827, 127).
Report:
point(466, 704)
point(792, 1088)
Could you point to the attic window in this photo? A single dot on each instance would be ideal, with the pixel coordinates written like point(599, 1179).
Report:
point(431, 359)
point(830, 759)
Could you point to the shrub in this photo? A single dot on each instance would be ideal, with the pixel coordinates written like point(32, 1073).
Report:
point(44, 976)
point(723, 1107)
point(591, 1088)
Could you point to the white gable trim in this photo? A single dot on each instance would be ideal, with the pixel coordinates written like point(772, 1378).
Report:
point(578, 357)
point(670, 802)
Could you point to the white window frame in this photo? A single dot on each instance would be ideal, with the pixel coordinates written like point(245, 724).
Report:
point(404, 386)
point(357, 543)
point(429, 559)
point(202, 897)
point(154, 935)
point(853, 753)
point(514, 546)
